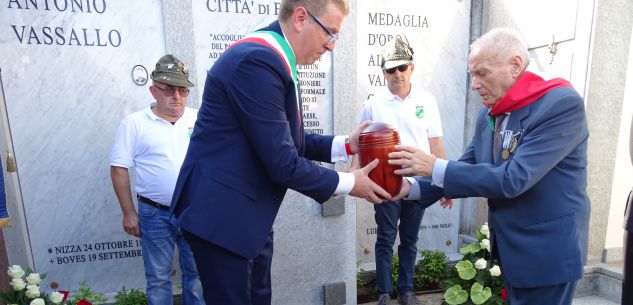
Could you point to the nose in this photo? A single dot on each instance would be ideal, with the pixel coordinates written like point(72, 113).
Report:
point(474, 83)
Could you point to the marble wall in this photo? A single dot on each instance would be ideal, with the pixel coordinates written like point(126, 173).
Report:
point(67, 68)
point(607, 105)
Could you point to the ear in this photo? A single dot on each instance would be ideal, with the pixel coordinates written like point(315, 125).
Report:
point(299, 18)
point(153, 91)
point(517, 66)
point(412, 66)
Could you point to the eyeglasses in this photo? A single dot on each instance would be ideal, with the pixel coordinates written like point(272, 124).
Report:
point(170, 91)
point(333, 38)
point(400, 68)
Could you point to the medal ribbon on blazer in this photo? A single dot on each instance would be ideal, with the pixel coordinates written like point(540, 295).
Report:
point(280, 45)
point(527, 89)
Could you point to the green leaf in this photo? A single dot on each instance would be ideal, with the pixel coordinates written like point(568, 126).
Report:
point(466, 270)
point(479, 235)
point(471, 248)
point(130, 297)
point(394, 271)
point(6, 298)
point(479, 294)
point(456, 295)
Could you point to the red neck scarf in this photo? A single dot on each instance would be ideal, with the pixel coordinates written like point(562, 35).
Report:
point(527, 89)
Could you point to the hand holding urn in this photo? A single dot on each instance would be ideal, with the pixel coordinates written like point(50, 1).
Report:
point(376, 142)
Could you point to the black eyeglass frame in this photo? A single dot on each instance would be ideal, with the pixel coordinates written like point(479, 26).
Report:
point(171, 90)
point(400, 68)
point(333, 38)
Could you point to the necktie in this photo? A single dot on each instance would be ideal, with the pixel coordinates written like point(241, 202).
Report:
point(496, 148)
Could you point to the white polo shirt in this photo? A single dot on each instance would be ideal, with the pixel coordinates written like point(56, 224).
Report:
point(417, 117)
point(155, 148)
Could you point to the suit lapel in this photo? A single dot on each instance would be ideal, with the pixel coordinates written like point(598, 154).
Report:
point(515, 123)
point(517, 117)
point(486, 139)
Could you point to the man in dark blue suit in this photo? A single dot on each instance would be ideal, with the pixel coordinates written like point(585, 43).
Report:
point(533, 174)
point(248, 147)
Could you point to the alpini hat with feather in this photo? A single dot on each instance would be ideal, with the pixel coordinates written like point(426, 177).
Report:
point(170, 70)
point(397, 52)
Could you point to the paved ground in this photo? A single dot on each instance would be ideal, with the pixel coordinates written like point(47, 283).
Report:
point(436, 299)
point(426, 299)
point(592, 300)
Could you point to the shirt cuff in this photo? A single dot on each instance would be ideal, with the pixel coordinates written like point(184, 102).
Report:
point(439, 169)
point(345, 183)
point(338, 149)
point(415, 189)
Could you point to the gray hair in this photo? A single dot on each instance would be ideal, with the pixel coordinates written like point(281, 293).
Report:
point(507, 41)
point(315, 7)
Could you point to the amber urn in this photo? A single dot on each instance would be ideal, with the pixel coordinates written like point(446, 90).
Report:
point(376, 141)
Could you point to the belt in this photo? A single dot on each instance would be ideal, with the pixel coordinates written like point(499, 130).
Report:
point(151, 202)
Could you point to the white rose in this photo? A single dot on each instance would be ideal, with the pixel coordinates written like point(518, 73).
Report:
point(34, 278)
point(18, 284)
point(32, 291)
point(57, 297)
point(15, 271)
point(481, 263)
point(495, 271)
point(485, 244)
point(38, 301)
point(485, 230)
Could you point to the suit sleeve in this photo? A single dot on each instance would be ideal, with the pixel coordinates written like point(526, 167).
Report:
point(318, 147)
point(429, 193)
point(260, 94)
point(559, 126)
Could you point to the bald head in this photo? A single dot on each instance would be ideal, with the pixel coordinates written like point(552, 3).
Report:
point(496, 60)
point(502, 44)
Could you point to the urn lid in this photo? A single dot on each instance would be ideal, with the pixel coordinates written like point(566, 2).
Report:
point(379, 133)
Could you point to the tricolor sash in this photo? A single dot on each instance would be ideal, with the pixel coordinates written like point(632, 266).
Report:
point(280, 45)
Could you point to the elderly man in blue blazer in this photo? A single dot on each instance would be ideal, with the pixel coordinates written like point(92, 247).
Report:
point(528, 157)
point(248, 148)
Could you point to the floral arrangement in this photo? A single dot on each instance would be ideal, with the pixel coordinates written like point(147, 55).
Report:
point(85, 296)
point(25, 290)
point(476, 279)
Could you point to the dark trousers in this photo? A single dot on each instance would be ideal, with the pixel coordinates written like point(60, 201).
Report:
point(546, 295)
point(627, 275)
point(230, 279)
point(387, 215)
